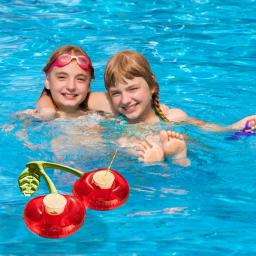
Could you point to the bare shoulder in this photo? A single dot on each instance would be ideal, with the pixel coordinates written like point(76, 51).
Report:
point(100, 101)
point(44, 101)
point(177, 115)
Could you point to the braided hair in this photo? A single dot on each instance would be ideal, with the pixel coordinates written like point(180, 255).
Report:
point(156, 105)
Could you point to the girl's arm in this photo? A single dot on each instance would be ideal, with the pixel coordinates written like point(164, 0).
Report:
point(179, 116)
point(45, 107)
point(100, 101)
point(239, 125)
point(205, 125)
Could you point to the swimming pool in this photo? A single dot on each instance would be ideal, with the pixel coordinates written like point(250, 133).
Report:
point(203, 55)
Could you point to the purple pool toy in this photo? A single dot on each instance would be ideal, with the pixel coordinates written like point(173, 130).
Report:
point(247, 131)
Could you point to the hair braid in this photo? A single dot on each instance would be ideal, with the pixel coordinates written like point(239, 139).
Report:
point(156, 105)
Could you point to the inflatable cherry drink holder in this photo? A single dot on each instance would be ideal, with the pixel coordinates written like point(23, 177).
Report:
point(51, 222)
point(55, 215)
point(102, 189)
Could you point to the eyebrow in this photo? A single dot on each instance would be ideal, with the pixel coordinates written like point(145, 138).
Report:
point(136, 84)
point(113, 89)
point(129, 86)
point(61, 73)
point(86, 75)
point(65, 73)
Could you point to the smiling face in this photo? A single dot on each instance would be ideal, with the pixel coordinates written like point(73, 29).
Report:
point(133, 99)
point(69, 86)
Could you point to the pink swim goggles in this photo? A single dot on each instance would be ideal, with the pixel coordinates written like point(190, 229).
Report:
point(64, 59)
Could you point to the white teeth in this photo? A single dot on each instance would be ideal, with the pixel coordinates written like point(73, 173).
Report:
point(130, 108)
point(126, 108)
point(69, 94)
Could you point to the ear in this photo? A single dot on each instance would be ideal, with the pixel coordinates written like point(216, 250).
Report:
point(47, 83)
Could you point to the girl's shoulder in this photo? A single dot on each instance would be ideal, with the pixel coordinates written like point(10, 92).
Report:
point(176, 114)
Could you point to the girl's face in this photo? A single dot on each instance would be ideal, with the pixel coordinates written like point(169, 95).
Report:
point(133, 99)
point(68, 85)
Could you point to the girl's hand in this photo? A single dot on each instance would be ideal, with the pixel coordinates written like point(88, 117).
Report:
point(248, 123)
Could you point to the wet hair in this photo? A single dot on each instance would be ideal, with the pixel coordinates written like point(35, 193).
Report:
point(128, 65)
point(71, 49)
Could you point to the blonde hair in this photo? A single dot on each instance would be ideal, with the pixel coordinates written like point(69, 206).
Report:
point(71, 49)
point(128, 65)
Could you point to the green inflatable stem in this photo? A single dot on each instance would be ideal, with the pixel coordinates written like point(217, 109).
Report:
point(42, 165)
point(63, 168)
point(29, 179)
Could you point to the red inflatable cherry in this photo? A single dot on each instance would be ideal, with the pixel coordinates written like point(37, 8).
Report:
point(102, 189)
point(54, 215)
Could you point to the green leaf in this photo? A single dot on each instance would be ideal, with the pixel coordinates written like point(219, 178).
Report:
point(29, 181)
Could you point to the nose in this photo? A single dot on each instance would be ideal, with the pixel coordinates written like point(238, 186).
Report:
point(125, 99)
point(71, 85)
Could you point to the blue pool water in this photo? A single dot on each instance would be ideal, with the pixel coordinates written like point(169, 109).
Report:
point(203, 55)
